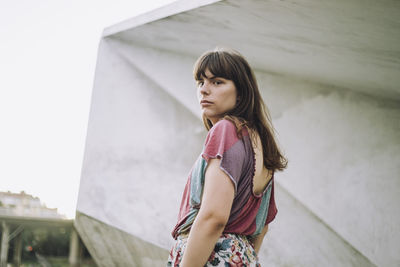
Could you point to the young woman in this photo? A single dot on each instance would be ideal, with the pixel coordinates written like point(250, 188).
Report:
point(228, 200)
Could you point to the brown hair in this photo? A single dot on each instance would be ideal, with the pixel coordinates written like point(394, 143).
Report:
point(250, 110)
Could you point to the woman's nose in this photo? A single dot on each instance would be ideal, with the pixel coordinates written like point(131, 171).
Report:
point(204, 90)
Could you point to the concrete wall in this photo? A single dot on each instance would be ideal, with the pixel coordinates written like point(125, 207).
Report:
point(114, 247)
point(344, 154)
point(133, 152)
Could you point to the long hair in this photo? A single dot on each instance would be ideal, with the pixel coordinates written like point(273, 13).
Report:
point(250, 110)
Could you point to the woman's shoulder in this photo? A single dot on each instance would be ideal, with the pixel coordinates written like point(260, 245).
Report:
point(224, 133)
point(224, 128)
point(224, 123)
point(228, 126)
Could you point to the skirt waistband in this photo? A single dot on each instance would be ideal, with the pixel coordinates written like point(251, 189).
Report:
point(241, 236)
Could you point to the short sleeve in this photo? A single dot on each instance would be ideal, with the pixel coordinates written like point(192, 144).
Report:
point(222, 142)
point(272, 210)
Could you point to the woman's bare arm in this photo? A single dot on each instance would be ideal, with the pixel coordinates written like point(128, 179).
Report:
point(216, 204)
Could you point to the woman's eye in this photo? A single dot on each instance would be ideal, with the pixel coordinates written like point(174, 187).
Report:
point(200, 83)
point(218, 82)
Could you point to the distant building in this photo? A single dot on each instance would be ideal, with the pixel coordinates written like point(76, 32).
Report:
point(23, 204)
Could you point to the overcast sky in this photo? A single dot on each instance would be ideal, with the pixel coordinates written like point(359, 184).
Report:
point(48, 52)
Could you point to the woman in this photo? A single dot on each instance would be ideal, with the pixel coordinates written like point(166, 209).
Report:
point(228, 200)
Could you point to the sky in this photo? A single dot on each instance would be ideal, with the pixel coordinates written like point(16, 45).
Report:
point(48, 51)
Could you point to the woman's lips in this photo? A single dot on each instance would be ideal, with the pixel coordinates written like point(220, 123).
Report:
point(205, 103)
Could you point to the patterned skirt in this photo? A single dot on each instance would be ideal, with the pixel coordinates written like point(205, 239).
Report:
point(231, 250)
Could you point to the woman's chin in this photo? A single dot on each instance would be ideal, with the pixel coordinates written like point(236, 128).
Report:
point(214, 119)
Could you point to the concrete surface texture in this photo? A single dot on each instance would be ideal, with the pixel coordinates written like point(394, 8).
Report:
point(328, 72)
point(114, 247)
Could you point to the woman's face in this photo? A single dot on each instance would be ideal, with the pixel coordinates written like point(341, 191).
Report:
point(216, 95)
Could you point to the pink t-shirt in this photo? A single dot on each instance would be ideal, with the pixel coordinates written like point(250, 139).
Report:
point(250, 212)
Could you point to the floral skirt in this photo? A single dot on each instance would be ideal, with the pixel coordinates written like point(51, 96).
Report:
point(231, 250)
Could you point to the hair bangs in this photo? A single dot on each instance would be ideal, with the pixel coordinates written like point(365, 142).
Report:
point(217, 63)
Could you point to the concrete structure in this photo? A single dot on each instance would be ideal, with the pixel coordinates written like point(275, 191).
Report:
point(329, 73)
point(22, 212)
point(4, 244)
point(12, 228)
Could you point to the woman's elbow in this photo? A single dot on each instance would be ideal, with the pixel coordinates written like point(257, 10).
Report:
point(214, 220)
